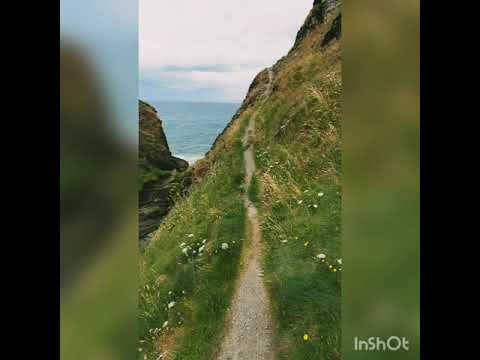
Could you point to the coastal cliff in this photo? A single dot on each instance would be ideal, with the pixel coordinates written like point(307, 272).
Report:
point(157, 169)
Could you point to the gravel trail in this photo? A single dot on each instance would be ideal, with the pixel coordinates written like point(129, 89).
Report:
point(250, 330)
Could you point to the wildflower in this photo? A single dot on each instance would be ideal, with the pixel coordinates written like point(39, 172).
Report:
point(320, 194)
point(334, 270)
point(165, 324)
point(204, 241)
point(321, 256)
point(182, 244)
point(306, 244)
point(185, 251)
point(170, 292)
point(300, 202)
point(190, 235)
point(171, 304)
point(305, 337)
point(330, 266)
point(284, 241)
point(224, 246)
point(315, 206)
point(200, 249)
point(339, 261)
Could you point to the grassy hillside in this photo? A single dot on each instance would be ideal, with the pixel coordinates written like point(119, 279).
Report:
point(298, 151)
point(187, 272)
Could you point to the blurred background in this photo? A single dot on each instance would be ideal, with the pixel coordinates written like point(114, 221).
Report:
point(98, 198)
point(381, 204)
point(98, 141)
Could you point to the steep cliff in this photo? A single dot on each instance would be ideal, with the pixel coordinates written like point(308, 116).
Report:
point(157, 168)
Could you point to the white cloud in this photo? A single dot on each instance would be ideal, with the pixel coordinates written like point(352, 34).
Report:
point(246, 35)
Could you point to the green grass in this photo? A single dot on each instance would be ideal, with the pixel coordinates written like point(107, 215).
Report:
point(298, 155)
point(200, 285)
point(148, 174)
point(254, 191)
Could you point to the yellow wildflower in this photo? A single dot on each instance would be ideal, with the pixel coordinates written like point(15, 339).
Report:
point(305, 337)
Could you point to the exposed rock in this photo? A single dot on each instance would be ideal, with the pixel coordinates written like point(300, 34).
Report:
point(153, 145)
point(334, 32)
point(315, 18)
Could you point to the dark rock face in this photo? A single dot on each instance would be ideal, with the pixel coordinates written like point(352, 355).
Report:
point(153, 145)
point(334, 32)
point(315, 17)
point(158, 172)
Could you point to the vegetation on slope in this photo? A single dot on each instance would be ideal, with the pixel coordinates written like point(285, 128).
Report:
point(298, 151)
point(187, 273)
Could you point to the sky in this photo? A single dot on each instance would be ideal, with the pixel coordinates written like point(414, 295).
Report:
point(107, 33)
point(210, 50)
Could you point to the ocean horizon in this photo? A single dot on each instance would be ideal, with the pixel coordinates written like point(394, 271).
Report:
point(192, 127)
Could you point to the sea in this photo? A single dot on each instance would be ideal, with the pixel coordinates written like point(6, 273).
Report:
point(192, 127)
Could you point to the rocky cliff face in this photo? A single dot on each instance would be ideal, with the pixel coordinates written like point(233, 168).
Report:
point(316, 17)
point(157, 171)
point(153, 145)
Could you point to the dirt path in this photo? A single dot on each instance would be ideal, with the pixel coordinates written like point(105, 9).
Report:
point(250, 330)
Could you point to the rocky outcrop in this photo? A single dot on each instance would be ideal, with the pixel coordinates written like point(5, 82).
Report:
point(153, 145)
point(316, 16)
point(158, 172)
point(334, 32)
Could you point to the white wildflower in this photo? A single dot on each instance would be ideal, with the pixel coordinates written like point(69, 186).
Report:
point(315, 206)
point(300, 202)
point(165, 324)
point(224, 246)
point(171, 304)
point(182, 244)
point(320, 194)
point(339, 261)
point(321, 256)
point(204, 241)
point(190, 235)
point(200, 249)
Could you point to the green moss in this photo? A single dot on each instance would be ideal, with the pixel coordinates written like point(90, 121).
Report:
point(147, 174)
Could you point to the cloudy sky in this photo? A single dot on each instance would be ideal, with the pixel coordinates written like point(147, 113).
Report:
point(210, 50)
